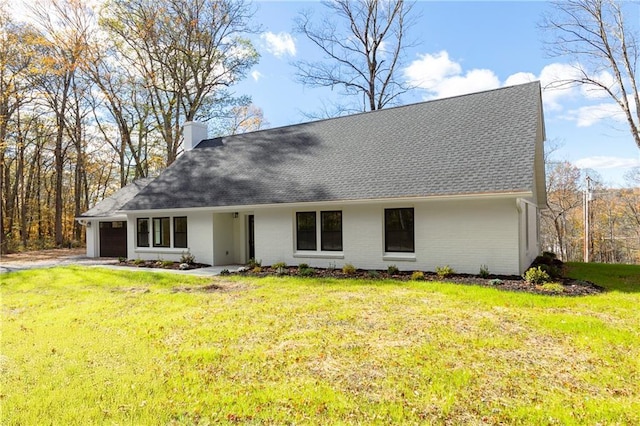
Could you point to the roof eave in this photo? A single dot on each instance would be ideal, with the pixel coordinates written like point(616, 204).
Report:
point(389, 200)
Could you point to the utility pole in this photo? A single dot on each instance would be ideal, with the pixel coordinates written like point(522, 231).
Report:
point(587, 236)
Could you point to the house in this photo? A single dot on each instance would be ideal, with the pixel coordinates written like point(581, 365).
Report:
point(106, 225)
point(457, 181)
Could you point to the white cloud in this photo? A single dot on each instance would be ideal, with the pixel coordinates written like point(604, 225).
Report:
point(520, 78)
point(554, 91)
point(256, 75)
point(594, 92)
point(589, 115)
point(441, 77)
point(280, 44)
point(604, 162)
point(473, 81)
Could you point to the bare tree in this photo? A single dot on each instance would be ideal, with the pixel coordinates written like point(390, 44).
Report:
point(64, 25)
point(122, 95)
point(16, 52)
point(563, 196)
point(187, 52)
point(362, 43)
point(632, 177)
point(604, 48)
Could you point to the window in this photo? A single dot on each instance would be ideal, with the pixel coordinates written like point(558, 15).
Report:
point(161, 231)
point(331, 231)
point(142, 229)
point(180, 232)
point(398, 230)
point(306, 231)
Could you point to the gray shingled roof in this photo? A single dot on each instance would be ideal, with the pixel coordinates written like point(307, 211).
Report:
point(477, 143)
point(112, 204)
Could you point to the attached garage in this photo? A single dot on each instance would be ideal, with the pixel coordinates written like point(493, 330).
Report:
point(106, 227)
point(113, 239)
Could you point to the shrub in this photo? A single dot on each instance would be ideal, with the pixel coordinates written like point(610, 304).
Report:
point(225, 272)
point(549, 254)
point(187, 257)
point(484, 271)
point(167, 263)
point(556, 288)
point(279, 265)
point(349, 269)
point(536, 276)
point(417, 276)
point(303, 266)
point(138, 262)
point(444, 271)
point(256, 269)
point(373, 274)
point(393, 270)
point(122, 259)
point(495, 281)
point(552, 270)
point(252, 263)
point(542, 260)
point(307, 272)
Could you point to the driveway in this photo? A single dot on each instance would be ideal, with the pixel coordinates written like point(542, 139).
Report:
point(49, 259)
point(64, 257)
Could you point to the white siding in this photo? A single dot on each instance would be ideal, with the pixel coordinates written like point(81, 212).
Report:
point(462, 234)
point(92, 233)
point(468, 234)
point(274, 235)
point(199, 239)
point(200, 236)
point(528, 231)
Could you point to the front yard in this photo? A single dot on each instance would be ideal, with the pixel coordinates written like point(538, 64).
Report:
point(89, 346)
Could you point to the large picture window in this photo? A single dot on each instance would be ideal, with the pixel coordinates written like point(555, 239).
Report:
point(306, 231)
point(180, 232)
point(142, 230)
point(331, 231)
point(161, 231)
point(398, 230)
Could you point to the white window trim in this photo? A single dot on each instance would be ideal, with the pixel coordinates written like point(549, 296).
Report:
point(319, 254)
point(399, 257)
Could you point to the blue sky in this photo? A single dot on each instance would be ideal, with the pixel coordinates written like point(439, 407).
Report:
point(460, 47)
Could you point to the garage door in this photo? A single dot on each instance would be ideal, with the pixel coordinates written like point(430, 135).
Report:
point(113, 239)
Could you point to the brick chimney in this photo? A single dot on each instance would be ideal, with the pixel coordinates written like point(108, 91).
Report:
point(193, 133)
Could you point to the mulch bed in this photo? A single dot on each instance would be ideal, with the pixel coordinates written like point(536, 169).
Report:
point(570, 286)
point(163, 264)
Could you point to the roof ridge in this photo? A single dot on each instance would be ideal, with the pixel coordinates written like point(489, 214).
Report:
point(382, 110)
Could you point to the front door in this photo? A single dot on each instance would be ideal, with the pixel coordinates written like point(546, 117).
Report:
point(251, 235)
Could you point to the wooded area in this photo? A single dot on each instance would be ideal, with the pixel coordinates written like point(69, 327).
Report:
point(613, 216)
point(90, 102)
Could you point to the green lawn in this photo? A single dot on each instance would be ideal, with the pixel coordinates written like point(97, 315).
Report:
point(97, 346)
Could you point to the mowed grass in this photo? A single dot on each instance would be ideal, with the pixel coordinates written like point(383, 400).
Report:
point(97, 346)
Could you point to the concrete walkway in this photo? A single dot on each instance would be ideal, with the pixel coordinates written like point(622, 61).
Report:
point(106, 263)
point(200, 272)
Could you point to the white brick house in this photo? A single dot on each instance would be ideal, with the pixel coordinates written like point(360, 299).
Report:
point(456, 181)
